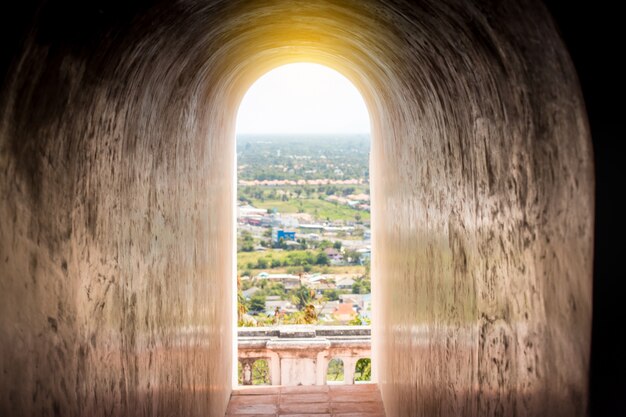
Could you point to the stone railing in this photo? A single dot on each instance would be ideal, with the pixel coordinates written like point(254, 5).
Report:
point(299, 355)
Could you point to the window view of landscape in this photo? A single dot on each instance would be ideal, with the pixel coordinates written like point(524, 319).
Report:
point(303, 230)
point(303, 214)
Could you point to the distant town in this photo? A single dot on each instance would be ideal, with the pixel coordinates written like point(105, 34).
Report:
point(303, 230)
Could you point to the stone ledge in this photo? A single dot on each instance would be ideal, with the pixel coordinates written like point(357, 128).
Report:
point(302, 331)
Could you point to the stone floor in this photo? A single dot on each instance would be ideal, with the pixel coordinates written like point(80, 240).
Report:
point(361, 400)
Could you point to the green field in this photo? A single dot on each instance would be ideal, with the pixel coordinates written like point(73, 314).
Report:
point(320, 209)
point(244, 258)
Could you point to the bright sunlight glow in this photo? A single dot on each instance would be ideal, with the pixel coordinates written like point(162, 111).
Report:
point(303, 98)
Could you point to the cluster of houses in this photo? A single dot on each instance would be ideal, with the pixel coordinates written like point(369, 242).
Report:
point(356, 201)
point(317, 282)
point(267, 218)
point(288, 229)
point(336, 257)
point(261, 217)
point(343, 310)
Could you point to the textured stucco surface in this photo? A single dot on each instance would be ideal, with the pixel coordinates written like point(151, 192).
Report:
point(116, 193)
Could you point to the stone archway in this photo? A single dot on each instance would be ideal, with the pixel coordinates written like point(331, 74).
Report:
point(117, 161)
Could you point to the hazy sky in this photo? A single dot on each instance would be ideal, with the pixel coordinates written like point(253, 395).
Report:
point(303, 98)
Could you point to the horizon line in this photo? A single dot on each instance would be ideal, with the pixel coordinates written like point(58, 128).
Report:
point(303, 133)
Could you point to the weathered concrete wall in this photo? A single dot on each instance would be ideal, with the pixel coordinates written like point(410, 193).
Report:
point(116, 154)
point(114, 234)
point(482, 220)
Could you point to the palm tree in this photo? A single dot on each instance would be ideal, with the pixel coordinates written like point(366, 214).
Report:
point(296, 318)
point(302, 297)
point(242, 307)
point(310, 315)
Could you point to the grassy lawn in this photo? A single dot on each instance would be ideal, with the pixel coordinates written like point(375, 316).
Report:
point(319, 208)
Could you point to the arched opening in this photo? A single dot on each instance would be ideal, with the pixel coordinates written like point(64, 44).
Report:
point(303, 212)
point(253, 371)
point(261, 372)
point(335, 372)
point(363, 370)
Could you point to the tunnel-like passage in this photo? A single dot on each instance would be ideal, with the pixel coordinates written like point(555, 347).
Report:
point(117, 182)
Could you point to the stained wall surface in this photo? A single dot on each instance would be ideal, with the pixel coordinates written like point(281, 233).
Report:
point(117, 189)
